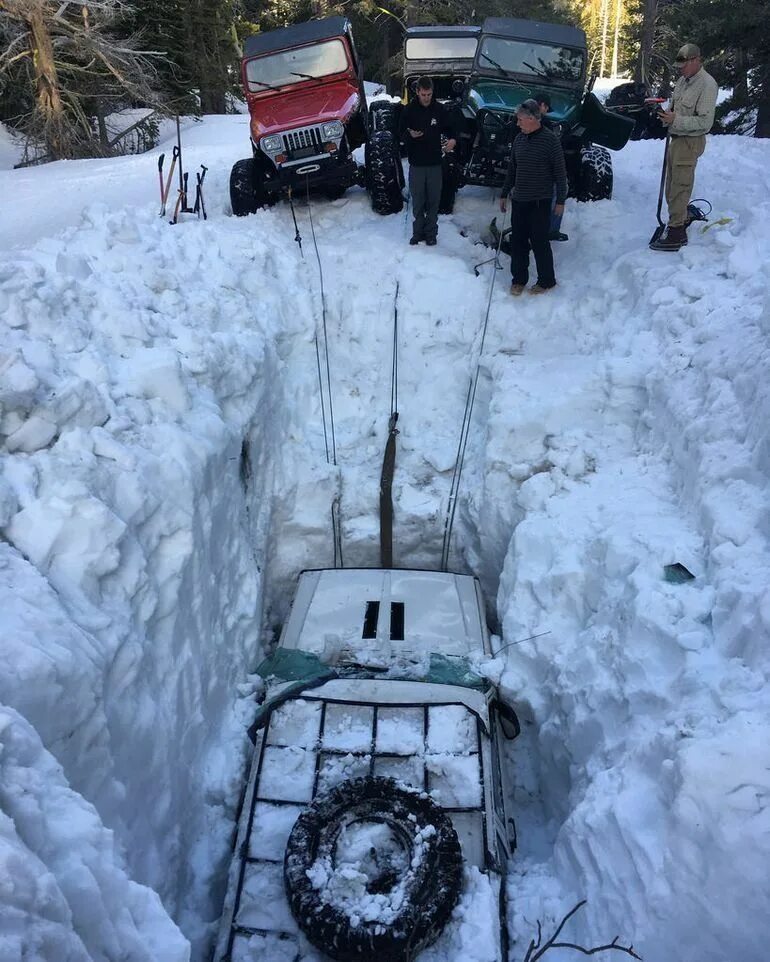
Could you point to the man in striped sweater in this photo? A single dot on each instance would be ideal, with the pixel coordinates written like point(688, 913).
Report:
point(536, 165)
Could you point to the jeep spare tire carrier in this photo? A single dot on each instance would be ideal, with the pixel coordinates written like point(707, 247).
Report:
point(412, 884)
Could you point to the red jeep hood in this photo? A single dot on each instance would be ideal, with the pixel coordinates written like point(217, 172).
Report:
point(309, 105)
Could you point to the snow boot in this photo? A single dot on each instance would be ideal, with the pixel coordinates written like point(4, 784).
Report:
point(672, 239)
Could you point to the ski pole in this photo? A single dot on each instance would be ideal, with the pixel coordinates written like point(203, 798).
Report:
point(164, 198)
point(160, 175)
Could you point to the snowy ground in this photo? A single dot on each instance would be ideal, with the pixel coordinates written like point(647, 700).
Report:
point(164, 479)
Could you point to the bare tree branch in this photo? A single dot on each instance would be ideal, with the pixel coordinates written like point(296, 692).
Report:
point(535, 952)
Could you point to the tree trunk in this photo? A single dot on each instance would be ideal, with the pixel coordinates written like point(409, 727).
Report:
point(763, 117)
point(47, 93)
point(641, 72)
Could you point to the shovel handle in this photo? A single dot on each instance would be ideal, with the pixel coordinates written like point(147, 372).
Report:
point(663, 180)
point(164, 195)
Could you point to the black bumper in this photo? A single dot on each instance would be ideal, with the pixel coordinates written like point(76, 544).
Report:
point(316, 173)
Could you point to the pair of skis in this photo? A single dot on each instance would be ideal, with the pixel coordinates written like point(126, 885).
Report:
point(181, 206)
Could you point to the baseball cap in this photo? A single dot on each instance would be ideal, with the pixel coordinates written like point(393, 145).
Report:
point(688, 52)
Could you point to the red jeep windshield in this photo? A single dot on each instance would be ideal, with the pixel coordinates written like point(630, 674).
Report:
point(294, 66)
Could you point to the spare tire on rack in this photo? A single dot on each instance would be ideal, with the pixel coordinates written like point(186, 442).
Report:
point(407, 896)
point(384, 173)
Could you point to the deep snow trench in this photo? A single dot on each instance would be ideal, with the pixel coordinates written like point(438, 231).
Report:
point(164, 479)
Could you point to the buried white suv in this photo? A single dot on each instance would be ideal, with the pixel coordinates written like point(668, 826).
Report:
point(373, 822)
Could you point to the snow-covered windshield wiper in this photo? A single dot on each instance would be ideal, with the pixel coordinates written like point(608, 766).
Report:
point(503, 71)
point(305, 76)
point(259, 83)
point(541, 73)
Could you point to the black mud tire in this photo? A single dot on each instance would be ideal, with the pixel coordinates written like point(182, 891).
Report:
point(384, 115)
point(384, 173)
point(247, 192)
point(432, 891)
point(450, 181)
point(595, 176)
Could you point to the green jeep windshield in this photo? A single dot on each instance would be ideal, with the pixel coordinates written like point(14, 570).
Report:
point(291, 664)
point(441, 48)
point(294, 66)
point(534, 59)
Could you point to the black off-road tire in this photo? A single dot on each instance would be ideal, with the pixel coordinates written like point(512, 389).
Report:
point(384, 173)
point(247, 192)
point(595, 174)
point(433, 886)
point(384, 115)
point(450, 181)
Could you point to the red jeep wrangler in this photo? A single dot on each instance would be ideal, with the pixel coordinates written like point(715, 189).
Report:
point(305, 92)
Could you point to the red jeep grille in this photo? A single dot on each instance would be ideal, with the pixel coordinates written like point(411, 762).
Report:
point(301, 140)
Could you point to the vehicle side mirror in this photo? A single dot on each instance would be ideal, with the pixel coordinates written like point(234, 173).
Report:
point(509, 720)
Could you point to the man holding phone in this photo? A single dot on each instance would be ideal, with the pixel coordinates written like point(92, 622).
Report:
point(423, 121)
point(688, 121)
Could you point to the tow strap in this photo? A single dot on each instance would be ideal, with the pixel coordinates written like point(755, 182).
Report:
point(389, 460)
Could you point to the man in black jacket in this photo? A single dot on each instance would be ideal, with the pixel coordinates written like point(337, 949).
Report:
point(423, 121)
point(536, 165)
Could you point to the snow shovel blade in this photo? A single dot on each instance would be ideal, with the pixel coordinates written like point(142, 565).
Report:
point(657, 233)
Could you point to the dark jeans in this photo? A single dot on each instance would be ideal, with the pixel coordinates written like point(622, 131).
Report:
point(555, 218)
point(425, 188)
point(530, 226)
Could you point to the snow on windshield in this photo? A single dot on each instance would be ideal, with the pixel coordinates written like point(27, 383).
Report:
point(163, 480)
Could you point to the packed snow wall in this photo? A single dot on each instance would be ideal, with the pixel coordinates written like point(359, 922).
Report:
point(141, 411)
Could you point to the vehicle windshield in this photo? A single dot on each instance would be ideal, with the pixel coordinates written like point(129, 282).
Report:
point(535, 59)
point(291, 664)
point(297, 65)
point(441, 48)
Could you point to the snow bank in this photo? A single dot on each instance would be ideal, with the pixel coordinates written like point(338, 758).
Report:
point(164, 471)
point(65, 892)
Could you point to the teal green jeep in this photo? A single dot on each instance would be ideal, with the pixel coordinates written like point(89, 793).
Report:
point(516, 60)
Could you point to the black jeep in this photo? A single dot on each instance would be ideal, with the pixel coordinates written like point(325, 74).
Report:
point(512, 61)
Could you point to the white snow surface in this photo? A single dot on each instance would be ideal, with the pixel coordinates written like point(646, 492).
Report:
point(164, 479)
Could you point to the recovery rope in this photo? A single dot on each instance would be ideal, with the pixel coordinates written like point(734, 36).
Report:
point(330, 433)
point(467, 417)
point(389, 460)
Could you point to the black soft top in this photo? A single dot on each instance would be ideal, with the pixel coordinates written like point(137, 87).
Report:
point(295, 36)
point(554, 33)
point(454, 31)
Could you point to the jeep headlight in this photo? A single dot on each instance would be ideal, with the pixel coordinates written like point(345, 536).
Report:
point(272, 144)
point(333, 130)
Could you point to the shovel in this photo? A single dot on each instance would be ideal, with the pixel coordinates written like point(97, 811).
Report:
point(661, 226)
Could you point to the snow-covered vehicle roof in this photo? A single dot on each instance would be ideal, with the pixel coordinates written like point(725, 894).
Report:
point(368, 717)
point(399, 613)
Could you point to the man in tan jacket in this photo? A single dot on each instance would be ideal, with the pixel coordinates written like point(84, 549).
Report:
point(688, 121)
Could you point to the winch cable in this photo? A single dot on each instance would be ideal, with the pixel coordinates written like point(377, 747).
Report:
point(333, 459)
point(389, 459)
point(297, 235)
point(467, 417)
